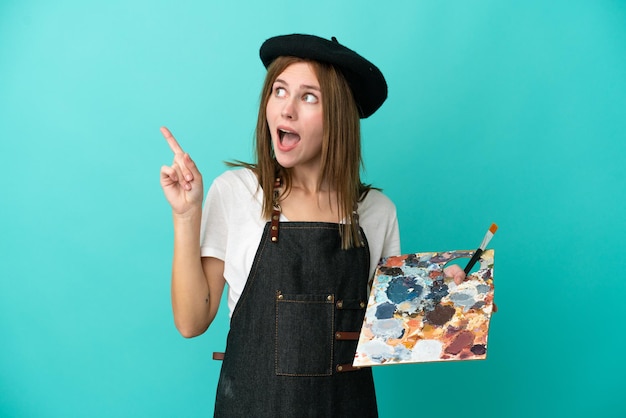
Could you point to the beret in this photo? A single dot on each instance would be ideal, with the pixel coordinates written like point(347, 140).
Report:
point(367, 83)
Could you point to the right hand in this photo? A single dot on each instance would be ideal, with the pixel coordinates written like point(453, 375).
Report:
point(181, 182)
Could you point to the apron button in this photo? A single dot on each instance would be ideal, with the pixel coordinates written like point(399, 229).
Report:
point(339, 368)
point(329, 298)
point(362, 304)
point(340, 304)
point(338, 335)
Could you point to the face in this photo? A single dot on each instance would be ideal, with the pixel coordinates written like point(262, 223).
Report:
point(295, 118)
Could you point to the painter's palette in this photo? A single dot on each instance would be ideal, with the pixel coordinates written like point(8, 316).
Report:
point(415, 314)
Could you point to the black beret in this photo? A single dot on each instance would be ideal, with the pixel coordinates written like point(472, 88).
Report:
point(367, 83)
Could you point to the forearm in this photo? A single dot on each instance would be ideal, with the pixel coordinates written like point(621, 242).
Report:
point(190, 288)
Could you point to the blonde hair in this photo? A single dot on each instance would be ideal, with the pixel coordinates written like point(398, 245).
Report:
point(341, 146)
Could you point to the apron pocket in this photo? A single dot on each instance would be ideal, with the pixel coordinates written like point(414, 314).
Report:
point(304, 334)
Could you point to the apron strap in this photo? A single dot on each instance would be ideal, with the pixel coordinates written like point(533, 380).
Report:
point(276, 212)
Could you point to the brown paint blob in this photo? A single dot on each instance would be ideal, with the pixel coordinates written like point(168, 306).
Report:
point(462, 340)
point(479, 349)
point(440, 315)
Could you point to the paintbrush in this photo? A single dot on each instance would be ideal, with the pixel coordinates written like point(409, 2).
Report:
point(492, 230)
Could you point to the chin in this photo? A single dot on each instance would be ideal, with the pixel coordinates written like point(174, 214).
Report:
point(284, 163)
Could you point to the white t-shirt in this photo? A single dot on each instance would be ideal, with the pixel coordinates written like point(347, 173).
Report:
point(232, 226)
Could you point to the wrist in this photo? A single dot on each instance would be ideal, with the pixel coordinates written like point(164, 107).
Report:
point(191, 215)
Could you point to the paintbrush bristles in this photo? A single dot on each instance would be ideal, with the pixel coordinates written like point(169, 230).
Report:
point(492, 230)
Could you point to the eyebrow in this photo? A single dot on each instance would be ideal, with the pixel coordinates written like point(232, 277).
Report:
point(305, 86)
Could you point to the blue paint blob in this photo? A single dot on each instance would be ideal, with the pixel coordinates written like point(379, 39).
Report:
point(403, 289)
point(401, 353)
point(478, 305)
point(483, 288)
point(462, 299)
point(412, 260)
point(385, 310)
point(388, 328)
point(438, 291)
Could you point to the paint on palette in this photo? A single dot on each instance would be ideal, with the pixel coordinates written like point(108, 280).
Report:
point(415, 314)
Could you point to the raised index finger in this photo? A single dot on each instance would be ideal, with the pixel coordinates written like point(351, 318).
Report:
point(171, 141)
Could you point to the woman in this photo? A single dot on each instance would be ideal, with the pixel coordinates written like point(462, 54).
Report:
point(296, 236)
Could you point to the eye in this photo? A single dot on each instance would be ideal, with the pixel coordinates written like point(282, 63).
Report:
point(280, 91)
point(310, 98)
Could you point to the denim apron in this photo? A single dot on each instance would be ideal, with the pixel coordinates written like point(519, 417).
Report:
point(294, 331)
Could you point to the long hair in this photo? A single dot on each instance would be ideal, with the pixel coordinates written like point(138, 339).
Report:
point(341, 159)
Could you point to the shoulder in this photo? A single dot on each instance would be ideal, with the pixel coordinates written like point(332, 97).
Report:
point(242, 177)
point(377, 202)
point(236, 183)
point(377, 216)
point(235, 190)
point(377, 213)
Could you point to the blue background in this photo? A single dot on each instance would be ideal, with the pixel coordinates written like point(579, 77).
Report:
point(498, 111)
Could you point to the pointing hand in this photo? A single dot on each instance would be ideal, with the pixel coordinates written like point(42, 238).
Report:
point(181, 182)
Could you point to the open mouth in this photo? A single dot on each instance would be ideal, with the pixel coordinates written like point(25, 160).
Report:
point(288, 139)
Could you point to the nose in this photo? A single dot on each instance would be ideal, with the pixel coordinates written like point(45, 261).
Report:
point(289, 110)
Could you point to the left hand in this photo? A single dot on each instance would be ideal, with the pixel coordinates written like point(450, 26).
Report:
point(455, 272)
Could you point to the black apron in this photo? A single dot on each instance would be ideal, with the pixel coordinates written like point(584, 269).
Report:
point(294, 331)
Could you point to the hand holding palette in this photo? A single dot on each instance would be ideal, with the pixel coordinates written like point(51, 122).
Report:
point(415, 314)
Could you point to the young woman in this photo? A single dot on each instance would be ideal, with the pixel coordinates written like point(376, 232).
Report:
point(296, 236)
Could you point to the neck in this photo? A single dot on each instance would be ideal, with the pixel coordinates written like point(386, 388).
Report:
point(308, 180)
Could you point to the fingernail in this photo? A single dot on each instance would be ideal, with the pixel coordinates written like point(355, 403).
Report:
point(189, 177)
